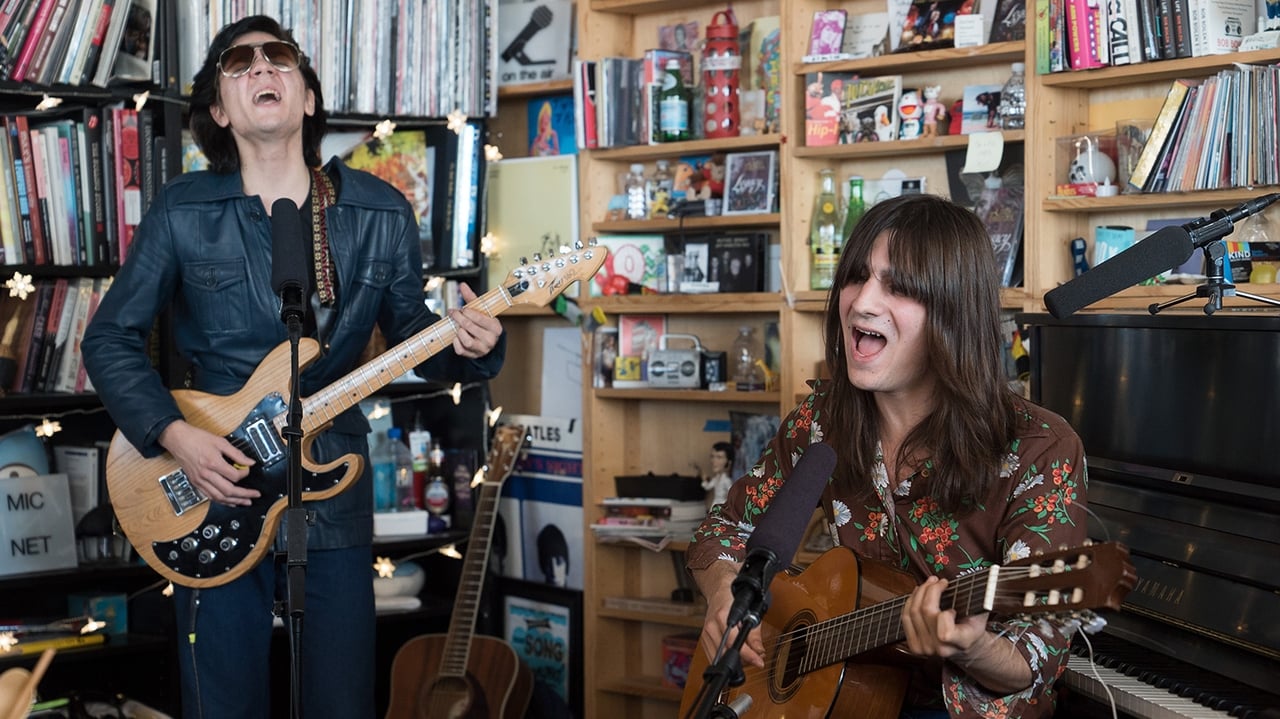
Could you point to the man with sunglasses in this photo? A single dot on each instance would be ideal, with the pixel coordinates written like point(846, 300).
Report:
point(204, 252)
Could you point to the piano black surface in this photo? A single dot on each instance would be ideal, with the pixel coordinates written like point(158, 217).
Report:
point(1180, 418)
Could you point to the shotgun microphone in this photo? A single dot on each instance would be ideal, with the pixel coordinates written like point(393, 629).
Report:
point(776, 537)
point(288, 260)
point(1163, 250)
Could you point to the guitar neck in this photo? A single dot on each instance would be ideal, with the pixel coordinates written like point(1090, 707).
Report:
point(466, 604)
point(324, 406)
point(839, 638)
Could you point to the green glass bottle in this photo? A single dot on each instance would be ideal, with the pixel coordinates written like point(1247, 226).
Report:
point(854, 209)
point(673, 105)
point(824, 232)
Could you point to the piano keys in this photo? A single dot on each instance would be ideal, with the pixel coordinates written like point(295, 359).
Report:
point(1178, 415)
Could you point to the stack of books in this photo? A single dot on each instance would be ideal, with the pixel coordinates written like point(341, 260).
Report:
point(649, 517)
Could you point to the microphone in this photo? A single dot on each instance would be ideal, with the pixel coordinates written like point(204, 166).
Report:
point(1164, 249)
point(1221, 223)
point(288, 259)
point(1249, 207)
point(540, 19)
point(777, 536)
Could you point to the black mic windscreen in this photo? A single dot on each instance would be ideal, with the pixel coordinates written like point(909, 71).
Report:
point(782, 525)
point(288, 247)
point(1162, 251)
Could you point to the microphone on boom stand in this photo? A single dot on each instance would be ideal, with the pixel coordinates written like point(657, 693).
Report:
point(1164, 249)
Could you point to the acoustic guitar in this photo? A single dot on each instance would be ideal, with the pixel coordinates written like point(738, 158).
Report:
point(198, 543)
point(460, 675)
point(824, 622)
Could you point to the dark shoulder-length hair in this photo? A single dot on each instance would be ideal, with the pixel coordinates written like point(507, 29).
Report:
point(217, 142)
point(941, 256)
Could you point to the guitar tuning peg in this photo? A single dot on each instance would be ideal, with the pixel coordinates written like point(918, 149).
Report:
point(1094, 624)
point(524, 260)
point(577, 244)
point(564, 249)
point(537, 257)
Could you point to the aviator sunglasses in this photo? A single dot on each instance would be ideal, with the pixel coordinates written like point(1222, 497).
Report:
point(237, 59)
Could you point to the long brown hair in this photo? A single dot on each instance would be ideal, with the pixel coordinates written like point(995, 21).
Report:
point(942, 258)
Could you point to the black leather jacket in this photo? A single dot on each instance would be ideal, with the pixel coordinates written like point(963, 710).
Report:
point(204, 250)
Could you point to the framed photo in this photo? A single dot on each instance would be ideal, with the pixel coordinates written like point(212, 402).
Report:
point(827, 35)
point(931, 24)
point(543, 624)
point(748, 182)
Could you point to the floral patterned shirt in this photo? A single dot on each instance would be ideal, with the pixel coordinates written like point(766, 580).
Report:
point(1036, 503)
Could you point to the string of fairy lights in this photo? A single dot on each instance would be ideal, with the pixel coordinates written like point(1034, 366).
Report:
point(47, 424)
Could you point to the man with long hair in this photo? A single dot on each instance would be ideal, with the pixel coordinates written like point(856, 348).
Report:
point(942, 470)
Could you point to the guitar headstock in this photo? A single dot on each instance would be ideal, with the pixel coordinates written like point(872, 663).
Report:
point(1066, 581)
point(541, 280)
point(508, 441)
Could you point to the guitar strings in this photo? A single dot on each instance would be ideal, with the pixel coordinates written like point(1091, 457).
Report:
point(823, 643)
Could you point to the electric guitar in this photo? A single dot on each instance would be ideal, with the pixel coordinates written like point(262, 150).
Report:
point(841, 607)
point(192, 541)
point(455, 675)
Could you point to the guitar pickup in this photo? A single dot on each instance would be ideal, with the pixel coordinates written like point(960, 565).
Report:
point(180, 492)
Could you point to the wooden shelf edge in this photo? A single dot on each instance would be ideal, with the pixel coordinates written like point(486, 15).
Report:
point(630, 615)
point(1155, 200)
point(890, 63)
point(896, 148)
point(691, 147)
point(692, 223)
point(641, 686)
point(533, 89)
point(675, 304)
point(1154, 71)
point(688, 395)
point(637, 7)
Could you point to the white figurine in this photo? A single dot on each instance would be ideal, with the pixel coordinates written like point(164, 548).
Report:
point(720, 479)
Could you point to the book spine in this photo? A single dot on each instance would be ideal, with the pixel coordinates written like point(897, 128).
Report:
point(48, 39)
point(1083, 33)
point(40, 208)
point(1159, 134)
point(54, 335)
point(1118, 43)
point(1133, 24)
point(39, 322)
point(128, 179)
point(1181, 27)
point(20, 191)
point(25, 56)
point(90, 64)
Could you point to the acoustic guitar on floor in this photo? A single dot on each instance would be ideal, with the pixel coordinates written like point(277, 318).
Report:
point(460, 674)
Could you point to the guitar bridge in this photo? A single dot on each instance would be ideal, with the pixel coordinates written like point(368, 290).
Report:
point(180, 492)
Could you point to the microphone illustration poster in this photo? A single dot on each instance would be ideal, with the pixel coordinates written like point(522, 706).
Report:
point(534, 41)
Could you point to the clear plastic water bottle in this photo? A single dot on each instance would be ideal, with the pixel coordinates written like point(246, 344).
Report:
point(1013, 99)
point(402, 461)
point(746, 375)
point(383, 462)
point(637, 195)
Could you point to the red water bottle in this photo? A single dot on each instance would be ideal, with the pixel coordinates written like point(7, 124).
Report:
point(721, 60)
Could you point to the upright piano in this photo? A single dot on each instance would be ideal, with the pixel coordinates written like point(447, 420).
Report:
point(1180, 417)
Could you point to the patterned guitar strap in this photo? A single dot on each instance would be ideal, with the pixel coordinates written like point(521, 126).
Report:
point(323, 196)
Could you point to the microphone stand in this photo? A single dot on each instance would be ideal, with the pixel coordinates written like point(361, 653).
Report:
point(1206, 234)
point(726, 670)
point(296, 519)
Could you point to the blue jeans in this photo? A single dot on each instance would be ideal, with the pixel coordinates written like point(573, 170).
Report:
point(224, 640)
